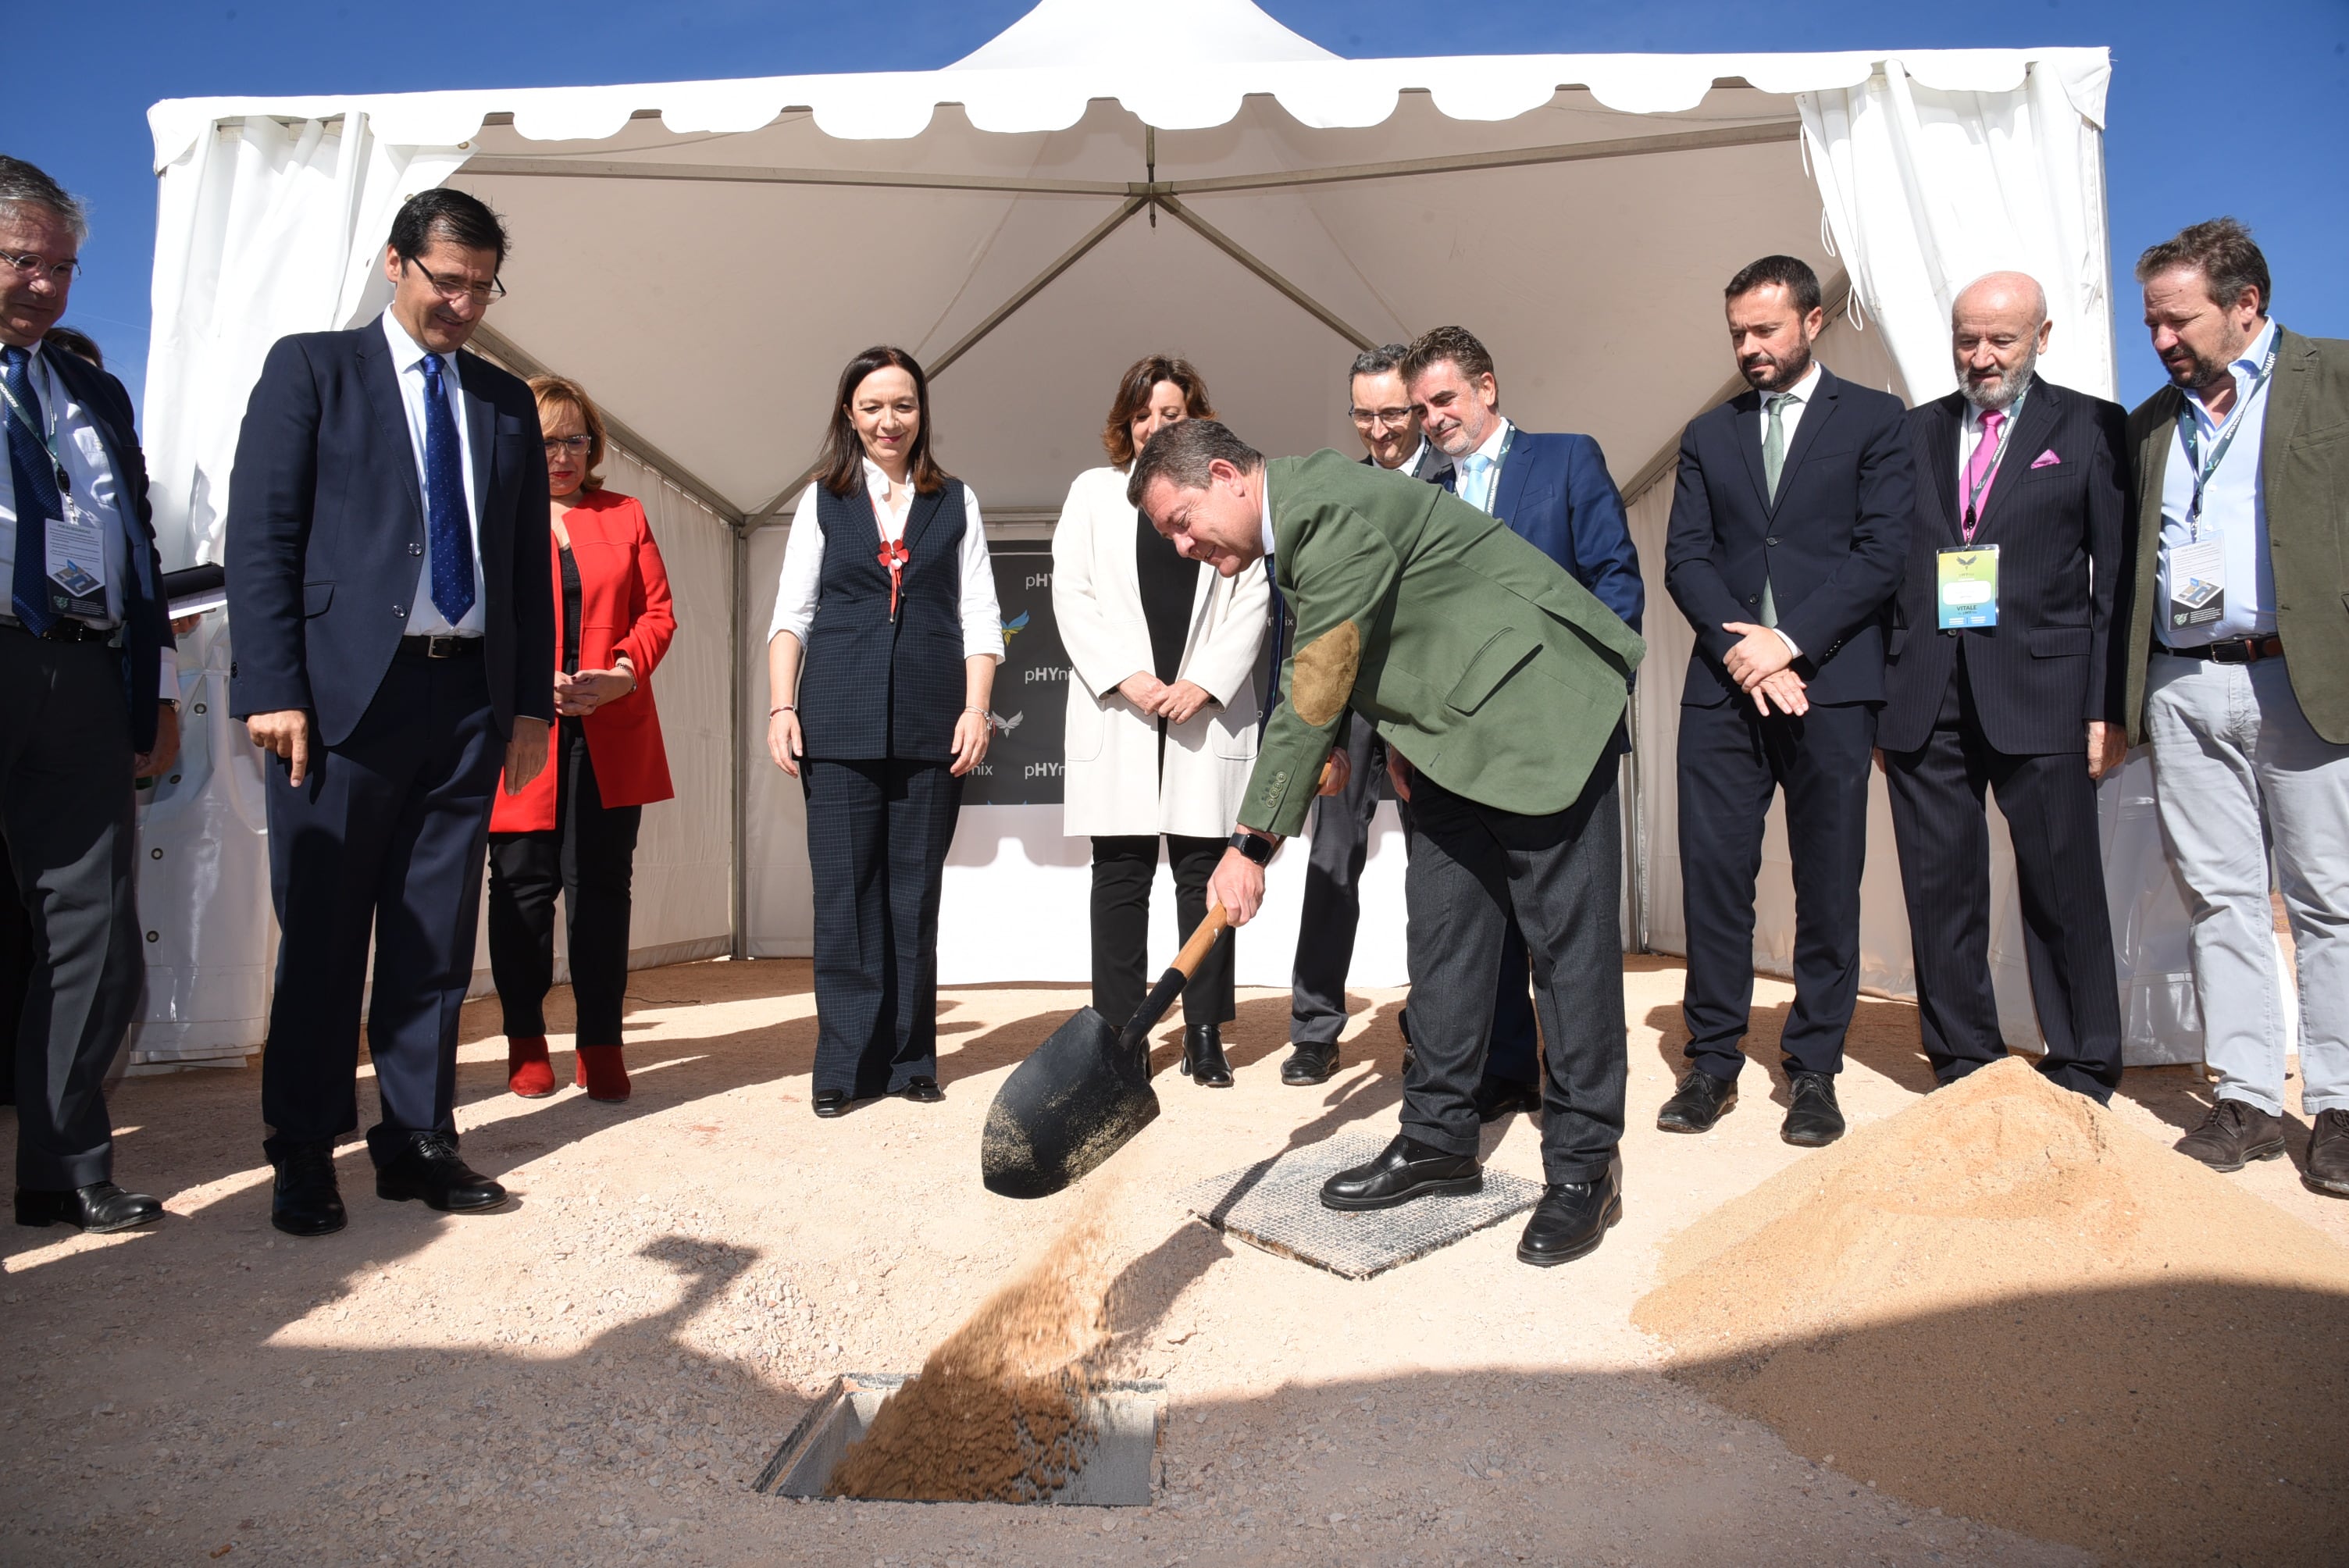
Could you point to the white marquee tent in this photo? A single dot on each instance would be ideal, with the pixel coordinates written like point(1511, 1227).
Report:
point(1104, 179)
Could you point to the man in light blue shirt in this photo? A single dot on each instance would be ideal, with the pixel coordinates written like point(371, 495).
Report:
point(2237, 671)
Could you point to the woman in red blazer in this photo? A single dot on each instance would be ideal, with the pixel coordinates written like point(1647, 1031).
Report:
point(573, 828)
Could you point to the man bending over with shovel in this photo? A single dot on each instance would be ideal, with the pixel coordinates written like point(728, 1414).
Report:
point(1501, 678)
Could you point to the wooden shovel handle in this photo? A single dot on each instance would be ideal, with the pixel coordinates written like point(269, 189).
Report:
point(1194, 951)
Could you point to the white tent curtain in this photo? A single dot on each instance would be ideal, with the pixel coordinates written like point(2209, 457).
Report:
point(1931, 166)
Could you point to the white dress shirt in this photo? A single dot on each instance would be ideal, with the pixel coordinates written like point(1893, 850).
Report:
point(1790, 418)
point(2234, 509)
point(72, 431)
point(424, 617)
point(802, 581)
point(1969, 435)
point(1481, 469)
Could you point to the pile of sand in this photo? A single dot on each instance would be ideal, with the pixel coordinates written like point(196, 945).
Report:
point(997, 1413)
point(2004, 1302)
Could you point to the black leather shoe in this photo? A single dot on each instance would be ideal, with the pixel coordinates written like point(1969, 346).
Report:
point(100, 1207)
point(828, 1102)
point(1203, 1056)
point(1496, 1097)
point(428, 1168)
point(304, 1200)
point(1309, 1063)
point(1813, 1119)
point(1571, 1218)
point(1701, 1100)
point(920, 1090)
point(1405, 1169)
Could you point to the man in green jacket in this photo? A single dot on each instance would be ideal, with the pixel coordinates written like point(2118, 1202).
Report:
point(2237, 663)
point(1501, 679)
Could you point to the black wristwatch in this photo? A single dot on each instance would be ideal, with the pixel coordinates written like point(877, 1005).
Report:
point(1254, 847)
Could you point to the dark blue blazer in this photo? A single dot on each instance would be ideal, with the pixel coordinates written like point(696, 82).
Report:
point(325, 533)
point(2048, 668)
point(146, 621)
point(1833, 547)
point(1557, 495)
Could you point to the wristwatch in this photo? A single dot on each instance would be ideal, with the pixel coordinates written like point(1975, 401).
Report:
point(1254, 847)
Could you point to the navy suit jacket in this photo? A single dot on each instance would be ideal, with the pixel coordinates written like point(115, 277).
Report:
point(146, 622)
point(325, 533)
point(1833, 547)
point(1556, 494)
point(2047, 668)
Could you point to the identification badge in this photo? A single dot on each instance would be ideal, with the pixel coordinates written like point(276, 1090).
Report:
point(1965, 587)
point(76, 563)
point(2198, 582)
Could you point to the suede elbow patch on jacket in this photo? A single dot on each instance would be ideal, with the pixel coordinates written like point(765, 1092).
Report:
point(1322, 679)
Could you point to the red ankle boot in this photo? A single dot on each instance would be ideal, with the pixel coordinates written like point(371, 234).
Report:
point(602, 1073)
point(528, 1072)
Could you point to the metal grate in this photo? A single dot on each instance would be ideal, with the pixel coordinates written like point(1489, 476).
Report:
point(1275, 1204)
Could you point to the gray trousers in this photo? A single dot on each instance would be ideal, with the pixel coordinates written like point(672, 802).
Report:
point(1561, 874)
point(67, 810)
point(2236, 768)
point(1332, 909)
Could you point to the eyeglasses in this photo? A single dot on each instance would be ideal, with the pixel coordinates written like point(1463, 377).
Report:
point(568, 444)
point(452, 287)
point(30, 264)
point(1366, 417)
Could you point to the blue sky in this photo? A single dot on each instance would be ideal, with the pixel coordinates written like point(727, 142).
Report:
point(2241, 108)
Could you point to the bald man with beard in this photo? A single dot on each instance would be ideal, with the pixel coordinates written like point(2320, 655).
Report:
point(2001, 676)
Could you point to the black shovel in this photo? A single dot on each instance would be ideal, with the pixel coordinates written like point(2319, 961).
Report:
point(1081, 1094)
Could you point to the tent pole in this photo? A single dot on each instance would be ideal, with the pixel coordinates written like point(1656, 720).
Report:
point(1505, 158)
point(560, 168)
point(969, 340)
point(1241, 255)
point(737, 628)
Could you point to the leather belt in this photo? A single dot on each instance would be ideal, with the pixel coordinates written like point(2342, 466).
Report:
point(441, 647)
point(64, 631)
point(2235, 651)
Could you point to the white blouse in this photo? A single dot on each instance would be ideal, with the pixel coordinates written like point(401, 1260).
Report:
point(802, 576)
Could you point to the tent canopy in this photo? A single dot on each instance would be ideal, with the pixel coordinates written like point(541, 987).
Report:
point(1105, 179)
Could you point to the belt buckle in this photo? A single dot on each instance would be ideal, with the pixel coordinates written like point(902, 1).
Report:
point(441, 647)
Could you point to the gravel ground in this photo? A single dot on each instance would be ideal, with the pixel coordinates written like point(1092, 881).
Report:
point(596, 1374)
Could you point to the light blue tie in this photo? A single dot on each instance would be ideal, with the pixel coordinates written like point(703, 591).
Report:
point(34, 473)
point(1476, 487)
point(446, 533)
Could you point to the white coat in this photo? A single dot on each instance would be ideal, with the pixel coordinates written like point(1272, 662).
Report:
point(1112, 784)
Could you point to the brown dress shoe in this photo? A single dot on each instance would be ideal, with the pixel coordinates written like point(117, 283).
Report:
point(2233, 1135)
point(2328, 1153)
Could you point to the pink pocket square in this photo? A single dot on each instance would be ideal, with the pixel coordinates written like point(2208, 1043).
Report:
point(2046, 460)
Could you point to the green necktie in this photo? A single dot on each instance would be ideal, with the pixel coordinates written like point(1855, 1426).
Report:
point(1774, 458)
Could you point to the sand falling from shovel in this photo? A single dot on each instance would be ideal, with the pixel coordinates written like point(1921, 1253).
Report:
point(999, 1411)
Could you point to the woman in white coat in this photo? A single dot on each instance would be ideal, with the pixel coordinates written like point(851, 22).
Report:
point(1163, 712)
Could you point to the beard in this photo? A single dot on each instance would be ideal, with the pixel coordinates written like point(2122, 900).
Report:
point(1999, 391)
point(1779, 372)
point(2196, 372)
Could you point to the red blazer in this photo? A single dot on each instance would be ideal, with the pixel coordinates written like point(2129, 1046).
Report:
point(623, 608)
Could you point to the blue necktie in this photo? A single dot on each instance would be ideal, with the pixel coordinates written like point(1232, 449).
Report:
point(446, 533)
point(38, 501)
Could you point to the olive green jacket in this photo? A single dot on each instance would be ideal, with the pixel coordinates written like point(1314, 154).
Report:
point(1477, 655)
point(2305, 486)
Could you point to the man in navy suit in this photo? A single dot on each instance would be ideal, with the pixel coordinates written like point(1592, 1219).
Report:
point(1999, 677)
point(1788, 535)
point(1555, 492)
point(389, 591)
point(88, 702)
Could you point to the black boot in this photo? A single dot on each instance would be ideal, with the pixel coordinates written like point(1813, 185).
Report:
point(1203, 1056)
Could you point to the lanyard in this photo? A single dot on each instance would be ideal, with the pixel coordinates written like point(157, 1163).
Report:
point(1492, 485)
point(2189, 432)
point(47, 438)
point(1975, 492)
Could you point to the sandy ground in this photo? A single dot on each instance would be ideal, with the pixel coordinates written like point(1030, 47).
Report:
point(597, 1373)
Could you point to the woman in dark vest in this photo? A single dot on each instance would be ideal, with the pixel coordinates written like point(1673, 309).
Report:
point(880, 662)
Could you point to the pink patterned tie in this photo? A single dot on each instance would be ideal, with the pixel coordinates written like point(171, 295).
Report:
point(1979, 474)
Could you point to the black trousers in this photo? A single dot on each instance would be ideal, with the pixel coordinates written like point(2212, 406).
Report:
point(878, 832)
point(1731, 761)
point(1332, 914)
point(589, 857)
point(16, 972)
point(66, 812)
point(1560, 876)
point(1123, 870)
point(384, 841)
point(2050, 806)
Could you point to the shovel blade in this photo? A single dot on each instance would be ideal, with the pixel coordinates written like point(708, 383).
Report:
point(1075, 1101)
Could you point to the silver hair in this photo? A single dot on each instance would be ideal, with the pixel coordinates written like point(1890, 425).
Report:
point(1377, 361)
point(23, 185)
